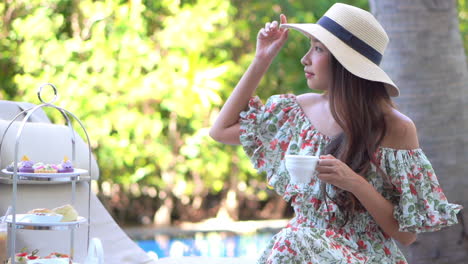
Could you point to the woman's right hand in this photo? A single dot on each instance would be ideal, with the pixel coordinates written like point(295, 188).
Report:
point(270, 39)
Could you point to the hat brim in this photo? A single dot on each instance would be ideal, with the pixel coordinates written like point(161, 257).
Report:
point(352, 60)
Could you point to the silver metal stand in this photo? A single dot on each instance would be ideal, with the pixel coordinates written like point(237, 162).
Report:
point(16, 177)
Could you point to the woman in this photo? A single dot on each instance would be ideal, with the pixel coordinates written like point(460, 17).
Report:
point(374, 184)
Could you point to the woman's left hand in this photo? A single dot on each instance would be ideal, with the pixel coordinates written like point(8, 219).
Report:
point(333, 171)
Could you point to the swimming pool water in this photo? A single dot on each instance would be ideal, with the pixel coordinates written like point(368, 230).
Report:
point(211, 244)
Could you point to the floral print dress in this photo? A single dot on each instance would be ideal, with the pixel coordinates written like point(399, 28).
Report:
point(315, 235)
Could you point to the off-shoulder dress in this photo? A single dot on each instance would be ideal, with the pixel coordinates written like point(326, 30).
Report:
point(315, 235)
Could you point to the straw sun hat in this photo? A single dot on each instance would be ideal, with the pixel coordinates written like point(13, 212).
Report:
point(355, 38)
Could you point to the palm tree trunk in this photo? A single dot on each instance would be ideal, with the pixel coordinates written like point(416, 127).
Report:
point(426, 60)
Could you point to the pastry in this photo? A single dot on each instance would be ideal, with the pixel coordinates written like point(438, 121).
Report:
point(53, 258)
point(65, 166)
point(56, 258)
point(56, 255)
point(52, 261)
point(69, 213)
point(41, 211)
point(45, 168)
point(26, 165)
point(23, 256)
point(11, 167)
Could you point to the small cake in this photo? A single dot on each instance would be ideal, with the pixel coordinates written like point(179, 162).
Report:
point(45, 168)
point(69, 213)
point(56, 258)
point(56, 255)
point(20, 258)
point(11, 167)
point(65, 166)
point(51, 261)
point(26, 165)
point(24, 258)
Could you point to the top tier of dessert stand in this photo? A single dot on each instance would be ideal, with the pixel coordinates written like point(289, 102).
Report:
point(15, 221)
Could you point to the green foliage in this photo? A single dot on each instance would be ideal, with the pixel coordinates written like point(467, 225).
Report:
point(146, 97)
point(463, 20)
point(147, 78)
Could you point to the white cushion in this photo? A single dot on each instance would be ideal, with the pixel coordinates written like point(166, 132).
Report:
point(9, 109)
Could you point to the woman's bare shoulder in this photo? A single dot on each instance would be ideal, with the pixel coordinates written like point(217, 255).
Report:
point(401, 131)
point(309, 99)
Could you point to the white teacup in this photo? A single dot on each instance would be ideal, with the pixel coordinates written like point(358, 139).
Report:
point(301, 168)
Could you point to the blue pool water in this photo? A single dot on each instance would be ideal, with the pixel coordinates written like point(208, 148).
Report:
point(211, 244)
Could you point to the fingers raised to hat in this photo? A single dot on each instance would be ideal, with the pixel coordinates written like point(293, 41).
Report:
point(267, 26)
point(283, 19)
point(274, 25)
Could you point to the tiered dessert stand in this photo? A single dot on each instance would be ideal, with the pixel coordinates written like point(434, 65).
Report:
point(15, 177)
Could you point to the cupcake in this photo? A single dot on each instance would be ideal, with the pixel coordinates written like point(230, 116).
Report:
point(65, 166)
point(26, 165)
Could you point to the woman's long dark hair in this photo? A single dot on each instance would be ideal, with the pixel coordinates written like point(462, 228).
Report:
point(356, 105)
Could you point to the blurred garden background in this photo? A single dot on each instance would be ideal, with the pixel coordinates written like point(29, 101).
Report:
point(147, 78)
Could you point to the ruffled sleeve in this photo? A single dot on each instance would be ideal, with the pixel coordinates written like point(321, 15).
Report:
point(265, 136)
point(421, 204)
